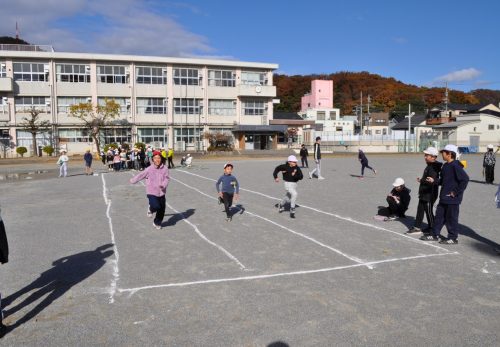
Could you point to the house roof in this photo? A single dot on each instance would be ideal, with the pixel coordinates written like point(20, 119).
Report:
point(490, 112)
point(415, 121)
point(462, 107)
point(287, 115)
point(454, 125)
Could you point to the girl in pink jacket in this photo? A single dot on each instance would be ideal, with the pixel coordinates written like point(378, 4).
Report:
point(157, 178)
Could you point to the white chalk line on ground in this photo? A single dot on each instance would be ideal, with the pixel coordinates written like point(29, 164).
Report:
point(116, 269)
point(354, 259)
point(203, 237)
point(132, 291)
point(348, 219)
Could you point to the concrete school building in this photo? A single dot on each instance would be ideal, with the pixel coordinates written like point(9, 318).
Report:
point(164, 101)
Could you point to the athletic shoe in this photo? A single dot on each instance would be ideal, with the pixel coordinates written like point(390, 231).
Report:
point(220, 200)
point(392, 217)
point(448, 242)
point(374, 171)
point(292, 213)
point(149, 213)
point(414, 230)
point(228, 219)
point(429, 238)
point(321, 178)
point(158, 227)
point(310, 175)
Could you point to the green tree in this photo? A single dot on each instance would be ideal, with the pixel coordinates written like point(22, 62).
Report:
point(34, 126)
point(96, 117)
point(21, 150)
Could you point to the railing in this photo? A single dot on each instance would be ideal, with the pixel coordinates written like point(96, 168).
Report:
point(26, 48)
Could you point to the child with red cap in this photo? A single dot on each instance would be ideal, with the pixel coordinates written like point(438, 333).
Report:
point(157, 178)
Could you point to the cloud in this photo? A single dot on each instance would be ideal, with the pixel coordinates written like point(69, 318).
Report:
point(458, 76)
point(113, 26)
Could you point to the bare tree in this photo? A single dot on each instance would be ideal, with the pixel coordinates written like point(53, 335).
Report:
point(96, 117)
point(34, 126)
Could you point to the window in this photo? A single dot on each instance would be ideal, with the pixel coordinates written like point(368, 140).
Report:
point(491, 127)
point(116, 135)
point(3, 70)
point(188, 135)
point(151, 106)
point(123, 102)
point(26, 103)
point(254, 108)
point(221, 78)
point(253, 78)
point(320, 115)
point(222, 107)
point(111, 74)
point(153, 135)
point(33, 72)
point(187, 77)
point(64, 102)
point(74, 135)
point(338, 129)
point(25, 139)
point(151, 75)
point(72, 73)
point(225, 131)
point(187, 106)
point(333, 115)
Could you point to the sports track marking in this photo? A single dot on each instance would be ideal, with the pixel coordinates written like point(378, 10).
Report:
point(113, 289)
point(349, 219)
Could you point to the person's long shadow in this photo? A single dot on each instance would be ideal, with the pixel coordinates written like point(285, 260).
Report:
point(484, 245)
point(53, 283)
point(176, 217)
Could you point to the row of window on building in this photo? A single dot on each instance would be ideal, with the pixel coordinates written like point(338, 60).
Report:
point(119, 74)
point(182, 106)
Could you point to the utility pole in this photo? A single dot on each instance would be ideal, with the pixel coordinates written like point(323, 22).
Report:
point(446, 99)
point(368, 112)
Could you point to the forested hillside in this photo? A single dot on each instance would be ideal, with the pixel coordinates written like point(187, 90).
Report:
point(387, 94)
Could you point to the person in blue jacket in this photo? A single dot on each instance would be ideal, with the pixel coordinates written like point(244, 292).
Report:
point(227, 188)
point(453, 183)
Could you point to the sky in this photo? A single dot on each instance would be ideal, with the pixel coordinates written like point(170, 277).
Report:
point(421, 42)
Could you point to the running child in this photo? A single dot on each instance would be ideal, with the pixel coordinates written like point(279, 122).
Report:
point(227, 188)
point(291, 175)
point(364, 163)
point(157, 179)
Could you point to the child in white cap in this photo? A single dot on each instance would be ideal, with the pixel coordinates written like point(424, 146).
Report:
point(291, 175)
point(398, 200)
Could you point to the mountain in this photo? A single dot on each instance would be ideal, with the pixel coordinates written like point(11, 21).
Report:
point(387, 94)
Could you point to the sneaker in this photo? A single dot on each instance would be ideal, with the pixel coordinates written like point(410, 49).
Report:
point(292, 213)
point(414, 230)
point(429, 238)
point(321, 178)
point(220, 200)
point(279, 207)
point(158, 227)
point(149, 213)
point(228, 219)
point(310, 175)
point(392, 217)
point(374, 171)
point(448, 242)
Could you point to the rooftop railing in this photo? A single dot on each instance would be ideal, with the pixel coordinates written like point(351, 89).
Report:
point(26, 48)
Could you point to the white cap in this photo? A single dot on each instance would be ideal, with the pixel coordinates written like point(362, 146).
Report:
point(431, 151)
point(398, 182)
point(490, 146)
point(292, 158)
point(450, 148)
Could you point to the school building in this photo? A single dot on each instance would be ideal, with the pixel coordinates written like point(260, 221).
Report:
point(164, 101)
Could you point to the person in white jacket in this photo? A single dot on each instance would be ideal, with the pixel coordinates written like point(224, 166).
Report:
point(63, 164)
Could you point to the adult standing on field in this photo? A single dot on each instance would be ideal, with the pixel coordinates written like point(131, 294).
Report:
point(489, 162)
point(317, 160)
point(87, 157)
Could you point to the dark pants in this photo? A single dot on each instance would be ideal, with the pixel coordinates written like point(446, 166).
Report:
point(395, 208)
point(170, 162)
point(424, 207)
point(157, 204)
point(304, 160)
point(446, 215)
point(228, 202)
point(363, 166)
point(489, 174)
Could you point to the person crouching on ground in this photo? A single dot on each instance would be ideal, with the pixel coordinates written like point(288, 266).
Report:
point(230, 188)
point(157, 178)
point(291, 175)
point(427, 191)
point(398, 200)
point(453, 182)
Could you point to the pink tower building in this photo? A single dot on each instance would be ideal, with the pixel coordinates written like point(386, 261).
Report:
point(321, 96)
